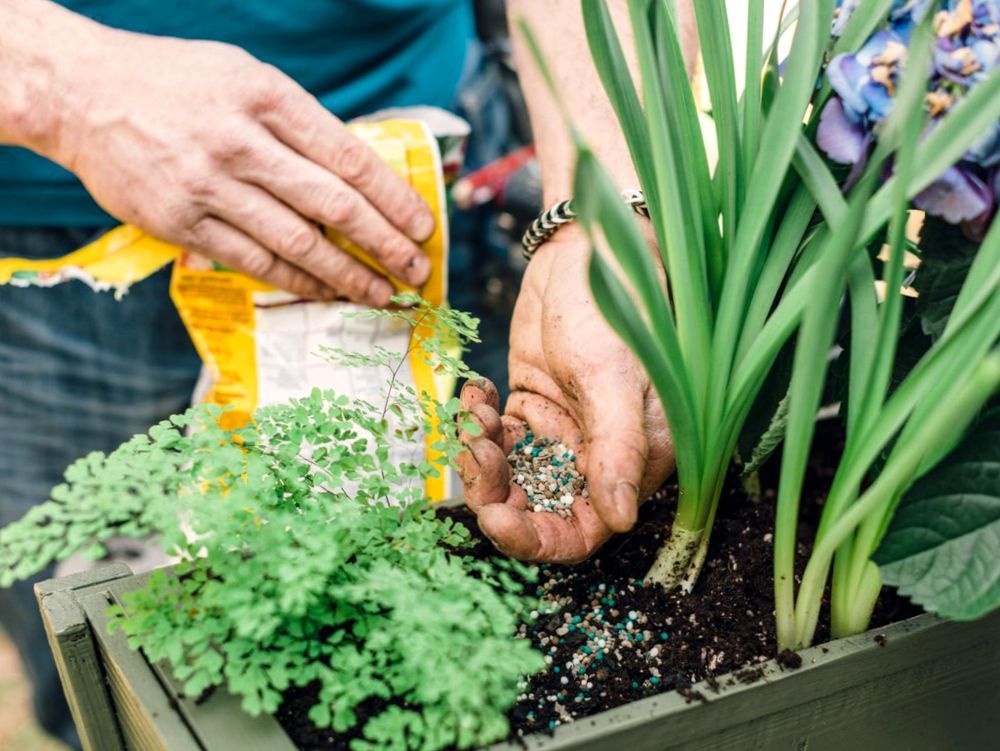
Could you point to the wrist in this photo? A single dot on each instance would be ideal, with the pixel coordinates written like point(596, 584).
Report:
point(48, 48)
point(561, 217)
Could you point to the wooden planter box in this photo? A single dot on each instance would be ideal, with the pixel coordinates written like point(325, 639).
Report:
point(922, 684)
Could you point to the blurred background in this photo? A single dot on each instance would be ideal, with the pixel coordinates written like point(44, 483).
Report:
point(17, 729)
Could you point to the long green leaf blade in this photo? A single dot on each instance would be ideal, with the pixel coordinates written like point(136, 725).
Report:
point(689, 288)
point(618, 309)
point(689, 152)
point(750, 104)
point(614, 72)
point(717, 57)
point(808, 375)
point(778, 141)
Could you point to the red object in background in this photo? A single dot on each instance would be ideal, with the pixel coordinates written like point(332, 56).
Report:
point(488, 183)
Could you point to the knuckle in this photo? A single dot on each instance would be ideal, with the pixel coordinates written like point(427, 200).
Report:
point(404, 206)
point(395, 253)
point(338, 207)
point(259, 265)
point(176, 215)
point(298, 242)
point(198, 233)
point(197, 181)
point(233, 145)
point(353, 282)
point(259, 82)
point(352, 160)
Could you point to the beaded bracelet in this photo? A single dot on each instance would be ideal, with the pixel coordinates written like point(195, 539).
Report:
point(549, 221)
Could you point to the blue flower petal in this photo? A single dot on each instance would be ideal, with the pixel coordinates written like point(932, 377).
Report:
point(957, 196)
point(987, 52)
point(847, 76)
point(986, 150)
point(842, 139)
point(875, 46)
point(985, 13)
point(878, 99)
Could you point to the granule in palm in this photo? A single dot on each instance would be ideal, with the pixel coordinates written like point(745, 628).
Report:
point(546, 470)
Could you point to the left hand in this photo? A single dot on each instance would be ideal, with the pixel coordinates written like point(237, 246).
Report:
point(572, 379)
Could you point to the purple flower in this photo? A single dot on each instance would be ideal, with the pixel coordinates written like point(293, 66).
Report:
point(986, 150)
point(842, 138)
point(957, 196)
point(905, 11)
point(866, 80)
point(985, 15)
point(843, 13)
point(967, 50)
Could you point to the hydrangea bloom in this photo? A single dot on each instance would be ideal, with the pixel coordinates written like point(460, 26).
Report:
point(967, 49)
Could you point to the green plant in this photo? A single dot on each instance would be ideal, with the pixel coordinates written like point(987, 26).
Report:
point(308, 556)
point(894, 435)
point(749, 261)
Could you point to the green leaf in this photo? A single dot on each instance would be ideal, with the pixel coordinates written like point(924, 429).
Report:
point(764, 427)
point(717, 57)
point(865, 18)
point(609, 60)
point(751, 103)
point(816, 176)
point(777, 147)
point(682, 255)
point(770, 439)
point(669, 382)
point(941, 547)
point(946, 255)
point(699, 195)
point(864, 335)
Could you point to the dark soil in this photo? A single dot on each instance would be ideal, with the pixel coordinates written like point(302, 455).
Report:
point(610, 639)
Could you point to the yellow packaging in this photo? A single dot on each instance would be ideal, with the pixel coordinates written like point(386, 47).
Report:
point(259, 344)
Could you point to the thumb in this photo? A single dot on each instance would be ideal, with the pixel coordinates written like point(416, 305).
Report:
point(617, 453)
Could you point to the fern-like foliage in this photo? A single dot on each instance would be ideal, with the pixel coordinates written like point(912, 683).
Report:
point(309, 556)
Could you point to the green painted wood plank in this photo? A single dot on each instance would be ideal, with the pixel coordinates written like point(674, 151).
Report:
point(76, 657)
point(216, 724)
point(147, 715)
point(931, 687)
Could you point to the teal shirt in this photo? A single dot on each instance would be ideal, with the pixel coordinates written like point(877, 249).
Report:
point(356, 56)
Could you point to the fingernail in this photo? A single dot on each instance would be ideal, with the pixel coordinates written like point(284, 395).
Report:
point(418, 270)
point(423, 226)
point(471, 469)
point(626, 503)
point(379, 293)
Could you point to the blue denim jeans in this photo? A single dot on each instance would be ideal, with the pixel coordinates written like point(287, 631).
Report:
point(79, 372)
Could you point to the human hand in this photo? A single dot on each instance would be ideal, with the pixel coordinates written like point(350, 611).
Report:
point(572, 379)
point(204, 146)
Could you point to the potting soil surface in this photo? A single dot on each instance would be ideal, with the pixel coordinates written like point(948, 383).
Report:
point(610, 638)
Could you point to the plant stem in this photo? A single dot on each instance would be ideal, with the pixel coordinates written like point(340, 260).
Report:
point(855, 613)
point(958, 406)
point(695, 566)
point(679, 561)
point(671, 569)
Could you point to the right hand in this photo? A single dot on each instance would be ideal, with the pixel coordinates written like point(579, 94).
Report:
point(572, 379)
point(206, 147)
